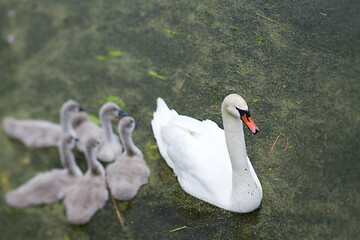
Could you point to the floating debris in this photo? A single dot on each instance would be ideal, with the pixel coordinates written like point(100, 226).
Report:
point(175, 33)
point(177, 229)
point(180, 85)
point(152, 150)
point(115, 53)
point(111, 54)
point(287, 142)
point(266, 18)
point(155, 74)
point(118, 213)
point(11, 38)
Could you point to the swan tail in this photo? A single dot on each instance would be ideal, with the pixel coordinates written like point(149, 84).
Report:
point(124, 190)
point(162, 117)
point(32, 133)
point(9, 125)
point(15, 200)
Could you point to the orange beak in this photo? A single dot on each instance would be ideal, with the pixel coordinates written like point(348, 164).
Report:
point(250, 123)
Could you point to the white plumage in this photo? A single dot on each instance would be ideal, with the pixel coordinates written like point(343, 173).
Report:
point(210, 163)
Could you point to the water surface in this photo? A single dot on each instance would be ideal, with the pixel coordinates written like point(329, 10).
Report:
point(295, 62)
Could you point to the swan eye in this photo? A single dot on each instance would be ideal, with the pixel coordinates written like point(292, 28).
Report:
point(243, 112)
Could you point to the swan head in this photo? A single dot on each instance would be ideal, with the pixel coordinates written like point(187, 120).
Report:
point(237, 107)
point(127, 125)
point(110, 110)
point(70, 106)
point(92, 145)
point(68, 140)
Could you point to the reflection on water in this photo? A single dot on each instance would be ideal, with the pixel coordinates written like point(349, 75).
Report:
point(297, 72)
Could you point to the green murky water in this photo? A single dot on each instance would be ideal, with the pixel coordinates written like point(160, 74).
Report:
point(298, 69)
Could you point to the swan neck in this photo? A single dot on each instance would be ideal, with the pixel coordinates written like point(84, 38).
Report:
point(93, 164)
point(235, 141)
point(129, 147)
point(106, 126)
point(65, 122)
point(246, 193)
point(68, 160)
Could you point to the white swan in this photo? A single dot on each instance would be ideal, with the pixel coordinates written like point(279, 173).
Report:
point(40, 133)
point(86, 129)
point(89, 193)
point(48, 187)
point(129, 171)
point(210, 163)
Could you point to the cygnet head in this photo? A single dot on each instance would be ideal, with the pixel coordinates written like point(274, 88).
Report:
point(70, 106)
point(68, 140)
point(237, 107)
point(110, 110)
point(91, 145)
point(126, 125)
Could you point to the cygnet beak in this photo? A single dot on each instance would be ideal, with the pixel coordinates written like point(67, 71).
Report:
point(123, 113)
point(137, 123)
point(249, 122)
point(81, 109)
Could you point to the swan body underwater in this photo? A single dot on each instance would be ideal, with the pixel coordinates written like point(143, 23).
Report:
point(86, 129)
point(129, 171)
point(210, 163)
point(41, 133)
point(48, 187)
point(89, 193)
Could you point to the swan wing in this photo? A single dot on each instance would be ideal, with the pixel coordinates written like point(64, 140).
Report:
point(196, 151)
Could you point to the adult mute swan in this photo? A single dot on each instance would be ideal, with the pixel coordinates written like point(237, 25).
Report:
point(48, 187)
point(86, 129)
point(40, 133)
point(129, 171)
point(210, 163)
point(89, 193)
